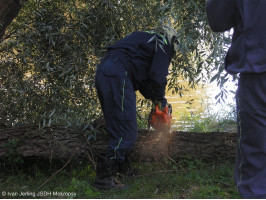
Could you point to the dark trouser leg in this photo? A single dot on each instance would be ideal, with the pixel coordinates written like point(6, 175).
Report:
point(250, 168)
point(118, 101)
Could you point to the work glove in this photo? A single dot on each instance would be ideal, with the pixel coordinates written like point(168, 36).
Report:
point(160, 117)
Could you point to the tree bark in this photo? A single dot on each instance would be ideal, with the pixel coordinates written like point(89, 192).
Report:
point(61, 143)
point(178, 145)
point(9, 9)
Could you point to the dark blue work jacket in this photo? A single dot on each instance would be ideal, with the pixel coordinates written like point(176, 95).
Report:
point(146, 62)
point(247, 53)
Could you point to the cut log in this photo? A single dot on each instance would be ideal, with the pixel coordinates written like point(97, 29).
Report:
point(61, 143)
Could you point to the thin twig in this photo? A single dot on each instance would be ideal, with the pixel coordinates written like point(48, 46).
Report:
point(90, 157)
point(157, 172)
point(223, 183)
point(93, 152)
point(172, 160)
point(72, 155)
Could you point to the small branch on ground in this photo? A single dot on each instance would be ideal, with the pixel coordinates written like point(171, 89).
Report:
point(157, 172)
point(58, 170)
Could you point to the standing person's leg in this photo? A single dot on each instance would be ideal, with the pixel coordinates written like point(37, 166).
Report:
point(250, 167)
point(122, 122)
point(118, 102)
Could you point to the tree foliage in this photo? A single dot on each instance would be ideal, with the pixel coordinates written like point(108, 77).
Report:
point(49, 61)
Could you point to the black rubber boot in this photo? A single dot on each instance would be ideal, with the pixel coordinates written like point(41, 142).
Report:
point(108, 183)
point(126, 169)
point(105, 172)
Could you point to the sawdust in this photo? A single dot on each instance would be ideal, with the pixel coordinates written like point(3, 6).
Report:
point(155, 146)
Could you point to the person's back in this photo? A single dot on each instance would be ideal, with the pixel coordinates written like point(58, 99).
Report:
point(248, 18)
point(148, 64)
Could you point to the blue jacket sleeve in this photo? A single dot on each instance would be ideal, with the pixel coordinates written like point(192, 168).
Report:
point(221, 14)
point(154, 88)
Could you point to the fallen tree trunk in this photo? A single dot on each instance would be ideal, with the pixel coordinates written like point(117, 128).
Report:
point(61, 143)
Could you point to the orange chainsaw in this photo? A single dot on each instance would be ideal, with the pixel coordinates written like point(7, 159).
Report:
point(160, 119)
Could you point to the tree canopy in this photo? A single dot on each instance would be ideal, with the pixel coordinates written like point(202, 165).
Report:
point(48, 61)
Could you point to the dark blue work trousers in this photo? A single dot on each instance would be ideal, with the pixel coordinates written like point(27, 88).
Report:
point(118, 101)
point(250, 168)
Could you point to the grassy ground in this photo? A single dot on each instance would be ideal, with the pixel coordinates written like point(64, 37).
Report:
point(186, 179)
